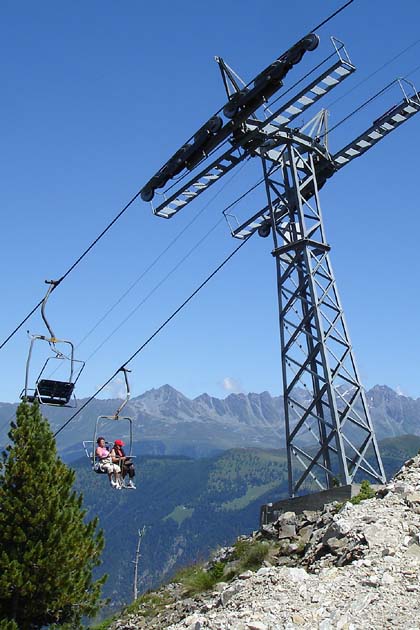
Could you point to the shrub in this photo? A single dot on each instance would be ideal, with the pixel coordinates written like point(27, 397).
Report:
point(217, 570)
point(149, 604)
point(195, 579)
point(250, 554)
point(366, 492)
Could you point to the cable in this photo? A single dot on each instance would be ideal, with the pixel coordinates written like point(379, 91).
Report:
point(179, 263)
point(78, 260)
point(159, 284)
point(155, 288)
point(157, 331)
point(384, 65)
point(369, 100)
point(330, 17)
point(162, 253)
point(70, 269)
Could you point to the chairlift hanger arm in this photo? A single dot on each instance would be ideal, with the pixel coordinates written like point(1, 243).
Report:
point(52, 285)
point(127, 390)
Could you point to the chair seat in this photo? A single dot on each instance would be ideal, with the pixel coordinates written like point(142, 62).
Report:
point(54, 392)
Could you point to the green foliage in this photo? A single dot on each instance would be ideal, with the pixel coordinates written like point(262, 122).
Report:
point(250, 554)
point(218, 570)
point(247, 555)
point(47, 550)
point(195, 579)
point(366, 492)
point(6, 624)
point(242, 469)
point(104, 625)
point(149, 604)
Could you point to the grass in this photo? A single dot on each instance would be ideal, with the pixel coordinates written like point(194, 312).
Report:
point(247, 555)
point(250, 554)
point(252, 493)
point(180, 514)
point(195, 579)
point(149, 604)
point(103, 625)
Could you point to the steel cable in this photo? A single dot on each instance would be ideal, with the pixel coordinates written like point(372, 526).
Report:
point(70, 269)
point(153, 335)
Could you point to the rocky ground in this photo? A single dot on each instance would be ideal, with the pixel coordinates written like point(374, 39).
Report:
point(356, 566)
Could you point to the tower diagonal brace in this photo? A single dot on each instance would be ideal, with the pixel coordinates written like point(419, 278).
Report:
point(330, 438)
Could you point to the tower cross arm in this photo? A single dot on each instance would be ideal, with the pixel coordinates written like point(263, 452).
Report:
point(252, 134)
point(380, 128)
point(326, 167)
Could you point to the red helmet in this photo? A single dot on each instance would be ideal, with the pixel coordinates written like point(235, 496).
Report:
point(119, 443)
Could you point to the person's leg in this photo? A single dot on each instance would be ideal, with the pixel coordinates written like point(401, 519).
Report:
point(131, 474)
point(118, 478)
point(110, 470)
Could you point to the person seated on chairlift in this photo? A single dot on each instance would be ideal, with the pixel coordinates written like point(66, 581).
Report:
point(125, 463)
point(105, 464)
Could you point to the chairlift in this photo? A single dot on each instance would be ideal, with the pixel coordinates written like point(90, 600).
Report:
point(48, 391)
point(101, 423)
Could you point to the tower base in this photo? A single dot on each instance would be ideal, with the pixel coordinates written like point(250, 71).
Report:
point(270, 512)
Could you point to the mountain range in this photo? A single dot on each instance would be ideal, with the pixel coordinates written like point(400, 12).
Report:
point(165, 422)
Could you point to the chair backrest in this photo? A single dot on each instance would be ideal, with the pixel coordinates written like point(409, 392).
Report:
point(89, 448)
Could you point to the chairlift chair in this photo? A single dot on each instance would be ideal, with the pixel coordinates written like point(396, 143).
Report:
point(90, 445)
point(48, 391)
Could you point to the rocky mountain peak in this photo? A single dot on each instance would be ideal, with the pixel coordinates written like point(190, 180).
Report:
point(164, 392)
point(239, 420)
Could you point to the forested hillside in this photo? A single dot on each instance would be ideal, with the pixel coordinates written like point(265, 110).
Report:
point(188, 506)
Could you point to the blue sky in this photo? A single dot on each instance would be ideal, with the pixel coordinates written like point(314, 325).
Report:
point(97, 95)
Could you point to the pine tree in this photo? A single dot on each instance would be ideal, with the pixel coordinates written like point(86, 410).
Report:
point(47, 549)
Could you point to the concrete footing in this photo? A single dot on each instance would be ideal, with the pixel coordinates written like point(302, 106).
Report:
point(316, 501)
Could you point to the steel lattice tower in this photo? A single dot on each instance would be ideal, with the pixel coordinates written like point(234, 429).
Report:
point(330, 438)
point(328, 425)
